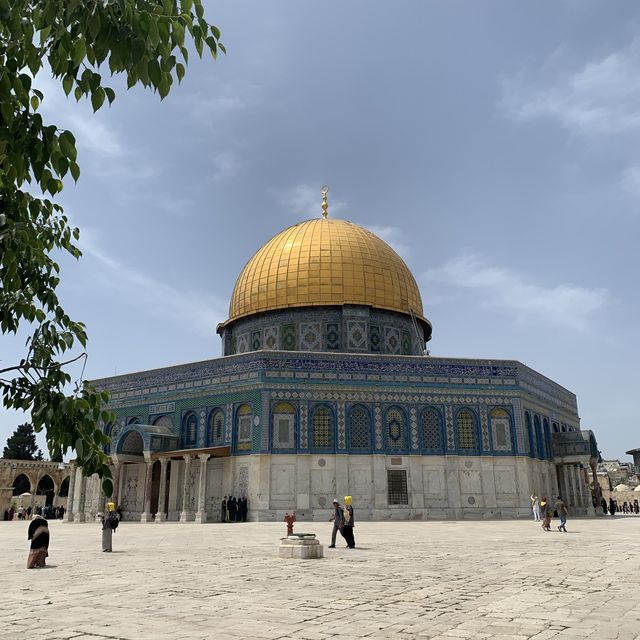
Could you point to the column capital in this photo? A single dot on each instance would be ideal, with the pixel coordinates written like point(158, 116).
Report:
point(163, 461)
point(204, 456)
point(187, 458)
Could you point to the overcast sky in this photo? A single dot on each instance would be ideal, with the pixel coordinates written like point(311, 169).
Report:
point(495, 145)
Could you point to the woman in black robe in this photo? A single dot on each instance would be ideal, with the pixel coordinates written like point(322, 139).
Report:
point(38, 533)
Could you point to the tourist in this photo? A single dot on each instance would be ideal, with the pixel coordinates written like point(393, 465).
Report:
point(349, 523)
point(223, 510)
point(636, 507)
point(563, 512)
point(109, 525)
point(62, 510)
point(338, 522)
point(20, 513)
point(545, 513)
point(605, 509)
point(38, 533)
point(29, 512)
point(244, 508)
point(612, 506)
point(535, 506)
point(11, 513)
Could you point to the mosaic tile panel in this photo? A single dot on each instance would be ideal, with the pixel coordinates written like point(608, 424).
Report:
point(283, 426)
point(359, 429)
point(374, 338)
point(484, 428)
point(357, 335)
point(521, 445)
point(448, 419)
point(242, 343)
point(391, 340)
point(377, 425)
point(202, 431)
point(501, 431)
point(264, 427)
point(229, 424)
point(333, 336)
point(406, 343)
point(342, 438)
point(310, 336)
point(413, 425)
point(270, 337)
point(256, 340)
point(289, 339)
point(304, 429)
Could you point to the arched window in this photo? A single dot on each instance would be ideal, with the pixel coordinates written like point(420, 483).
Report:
point(466, 427)
point(432, 430)
point(283, 425)
point(555, 427)
point(529, 428)
point(107, 432)
point(547, 437)
point(359, 429)
point(163, 421)
point(501, 429)
point(215, 432)
point(190, 429)
point(135, 420)
point(395, 424)
point(322, 425)
point(539, 441)
point(244, 420)
point(131, 444)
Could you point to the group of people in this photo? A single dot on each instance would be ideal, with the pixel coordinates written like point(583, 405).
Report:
point(543, 511)
point(343, 521)
point(613, 507)
point(234, 509)
point(24, 513)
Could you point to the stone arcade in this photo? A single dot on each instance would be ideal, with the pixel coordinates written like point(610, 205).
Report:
point(323, 390)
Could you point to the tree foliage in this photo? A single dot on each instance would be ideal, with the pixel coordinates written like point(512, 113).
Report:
point(22, 444)
point(80, 41)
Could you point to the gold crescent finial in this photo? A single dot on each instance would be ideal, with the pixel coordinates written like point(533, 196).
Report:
point(325, 204)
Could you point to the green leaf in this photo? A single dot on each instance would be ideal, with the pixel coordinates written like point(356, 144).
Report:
point(97, 98)
point(75, 170)
point(180, 71)
point(67, 84)
point(94, 24)
point(35, 102)
point(153, 69)
point(111, 94)
point(79, 51)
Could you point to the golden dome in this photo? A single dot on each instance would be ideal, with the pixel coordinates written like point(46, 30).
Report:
point(325, 262)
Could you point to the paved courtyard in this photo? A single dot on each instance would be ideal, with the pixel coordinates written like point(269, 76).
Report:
point(506, 580)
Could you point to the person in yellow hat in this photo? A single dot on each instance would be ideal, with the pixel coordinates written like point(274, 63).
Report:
point(347, 530)
point(109, 524)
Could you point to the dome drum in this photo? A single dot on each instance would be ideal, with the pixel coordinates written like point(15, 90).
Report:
point(339, 329)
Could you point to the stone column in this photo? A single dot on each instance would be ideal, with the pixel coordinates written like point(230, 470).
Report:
point(184, 514)
point(201, 515)
point(115, 474)
point(79, 515)
point(145, 516)
point(161, 516)
point(33, 496)
point(68, 516)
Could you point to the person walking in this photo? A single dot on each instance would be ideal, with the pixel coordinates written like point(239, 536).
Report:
point(545, 513)
point(349, 523)
point(338, 522)
point(612, 507)
point(563, 512)
point(535, 506)
point(38, 533)
point(109, 525)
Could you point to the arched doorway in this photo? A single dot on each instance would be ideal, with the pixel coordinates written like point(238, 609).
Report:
point(46, 487)
point(64, 488)
point(155, 486)
point(21, 485)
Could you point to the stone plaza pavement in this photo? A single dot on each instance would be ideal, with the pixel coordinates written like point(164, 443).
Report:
point(506, 580)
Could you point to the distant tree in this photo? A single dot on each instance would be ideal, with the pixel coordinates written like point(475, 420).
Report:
point(22, 444)
point(146, 42)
